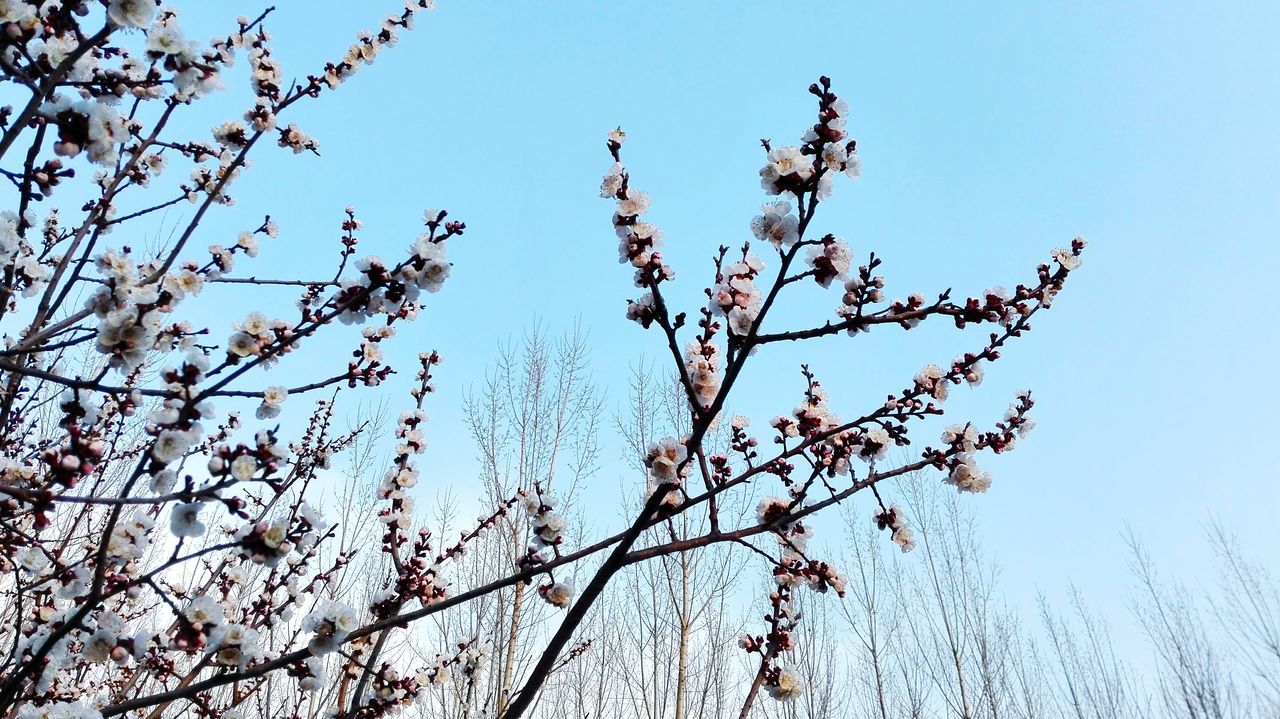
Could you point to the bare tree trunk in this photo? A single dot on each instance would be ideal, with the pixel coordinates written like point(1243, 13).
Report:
point(682, 672)
point(509, 652)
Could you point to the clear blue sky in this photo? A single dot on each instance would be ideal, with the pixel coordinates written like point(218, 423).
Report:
point(988, 136)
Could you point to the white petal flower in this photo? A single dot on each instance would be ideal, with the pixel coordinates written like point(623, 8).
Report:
point(275, 395)
point(560, 594)
point(789, 686)
point(171, 445)
point(1066, 258)
point(131, 13)
point(31, 559)
point(244, 467)
point(205, 610)
point(185, 520)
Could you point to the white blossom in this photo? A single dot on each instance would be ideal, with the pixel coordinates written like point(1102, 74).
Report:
point(205, 610)
point(171, 445)
point(184, 521)
point(1066, 258)
point(784, 163)
point(788, 687)
point(131, 13)
point(776, 225)
point(967, 476)
point(560, 594)
point(31, 559)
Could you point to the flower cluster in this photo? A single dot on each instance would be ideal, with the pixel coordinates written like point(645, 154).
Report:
point(267, 543)
point(667, 463)
point(813, 419)
point(735, 295)
point(639, 241)
point(234, 645)
point(829, 259)
point(59, 710)
point(933, 381)
point(176, 424)
point(812, 416)
point(393, 291)
point(257, 336)
point(787, 169)
point(389, 693)
point(429, 268)
point(369, 45)
point(197, 621)
point(782, 683)
point(292, 137)
point(128, 543)
point(794, 568)
point(418, 576)
point(244, 462)
point(967, 476)
point(272, 398)
point(702, 366)
point(86, 125)
point(403, 475)
point(92, 123)
point(963, 441)
point(548, 526)
point(329, 626)
point(131, 308)
point(786, 685)
point(558, 594)
point(30, 274)
point(825, 149)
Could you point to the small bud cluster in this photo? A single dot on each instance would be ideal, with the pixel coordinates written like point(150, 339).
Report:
point(794, 568)
point(782, 683)
point(893, 520)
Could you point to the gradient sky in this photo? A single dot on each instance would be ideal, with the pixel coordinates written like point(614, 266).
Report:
point(988, 136)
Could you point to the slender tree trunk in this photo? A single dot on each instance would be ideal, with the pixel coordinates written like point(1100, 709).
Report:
point(508, 661)
point(682, 670)
point(682, 666)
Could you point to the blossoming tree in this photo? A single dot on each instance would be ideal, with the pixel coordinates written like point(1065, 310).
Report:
point(161, 555)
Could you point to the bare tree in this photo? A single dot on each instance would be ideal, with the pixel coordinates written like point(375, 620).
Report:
point(1247, 607)
point(536, 422)
point(1195, 677)
point(1089, 681)
point(873, 613)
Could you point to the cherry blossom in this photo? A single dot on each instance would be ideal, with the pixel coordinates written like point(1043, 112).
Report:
point(125, 416)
